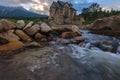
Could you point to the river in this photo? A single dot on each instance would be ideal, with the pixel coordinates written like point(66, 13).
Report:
point(65, 62)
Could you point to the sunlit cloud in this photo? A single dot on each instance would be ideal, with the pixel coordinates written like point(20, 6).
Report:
point(42, 6)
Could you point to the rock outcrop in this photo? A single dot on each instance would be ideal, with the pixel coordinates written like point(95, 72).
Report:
point(109, 23)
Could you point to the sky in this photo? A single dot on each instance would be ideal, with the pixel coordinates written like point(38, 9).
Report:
point(42, 6)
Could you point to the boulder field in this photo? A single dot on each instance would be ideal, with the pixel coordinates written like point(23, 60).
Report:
point(16, 36)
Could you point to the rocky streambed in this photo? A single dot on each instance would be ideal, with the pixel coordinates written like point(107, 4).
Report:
point(86, 61)
point(56, 53)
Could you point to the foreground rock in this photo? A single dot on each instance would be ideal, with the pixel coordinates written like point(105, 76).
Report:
point(28, 25)
point(6, 25)
point(39, 36)
point(45, 28)
point(20, 24)
point(9, 35)
point(23, 36)
point(76, 29)
point(31, 30)
point(9, 48)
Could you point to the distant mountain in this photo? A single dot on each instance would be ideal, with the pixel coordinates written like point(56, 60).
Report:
point(18, 12)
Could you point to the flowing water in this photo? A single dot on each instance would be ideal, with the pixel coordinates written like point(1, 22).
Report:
point(65, 62)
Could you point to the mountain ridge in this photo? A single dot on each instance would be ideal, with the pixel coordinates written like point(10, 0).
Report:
point(18, 12)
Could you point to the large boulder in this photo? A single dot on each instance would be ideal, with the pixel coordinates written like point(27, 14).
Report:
point(23, 36)
point(76, 29)
point(45, 28)
point(109, 23)
point(9, 48)
point(28, 25)
point(109, 46)
point(20, 24)
point(8, 36)
point(31, 30)
point(6, 25)
point(69, 34)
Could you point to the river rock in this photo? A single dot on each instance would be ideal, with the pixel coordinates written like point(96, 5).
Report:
point(69, 34)
point(37, 27)
point(23, 35)
point(45, 28)
point(63, 41)
point(33, 44)
point(39, 36)
point(31, 30)
point(76, 29)
point(110, 46)
point(8, 36)
point(106, 46)
point(8, 49)
point(28, 25)
point(77, 40)
point(20, 24)
point(6, 25)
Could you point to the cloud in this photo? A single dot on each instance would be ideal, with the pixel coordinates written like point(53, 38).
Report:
point(42, 6)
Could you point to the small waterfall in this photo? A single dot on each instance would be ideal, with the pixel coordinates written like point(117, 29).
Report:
point(98, 65)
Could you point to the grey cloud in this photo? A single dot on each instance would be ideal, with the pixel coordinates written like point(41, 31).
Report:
point(25, 3)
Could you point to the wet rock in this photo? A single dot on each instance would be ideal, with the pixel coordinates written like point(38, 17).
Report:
point(31, 30)
point(110, 46)
point(77, 40)
point(95, 43)
point(23, 35)
point(8, 36)
point(39, 36)
point(63, 41)
point(9, 48)
point(87, 45)
point(28, 25)
point(45, 28)
point(81, 44)
point(6, 25)
point(106, 46)
point(20, 24)
point(69, 34)
point(33, 44)
point(76, 29)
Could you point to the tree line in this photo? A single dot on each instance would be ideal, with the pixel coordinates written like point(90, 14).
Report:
point(94, 11)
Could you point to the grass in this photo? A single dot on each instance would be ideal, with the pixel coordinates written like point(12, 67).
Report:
point(14, 19)
point(87, 22)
